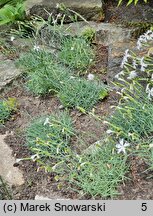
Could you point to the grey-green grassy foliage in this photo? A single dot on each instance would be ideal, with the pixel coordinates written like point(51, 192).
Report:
point(76, 53)
point(101, 172)
point(82, 93)
point(132, 119)
point(50, 139)
point(33, 60)
point(96, 174)
point(45, 75)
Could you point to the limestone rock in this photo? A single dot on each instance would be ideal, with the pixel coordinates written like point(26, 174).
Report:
point(8, 71)
point(115, 56)
point(106, 33)
point(90, 10)
point(12, 175)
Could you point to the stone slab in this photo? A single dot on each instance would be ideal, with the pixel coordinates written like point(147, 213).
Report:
point(12, 175)
point(8, 71)
point(115, 56)
point(106, 33)
point(91, 10)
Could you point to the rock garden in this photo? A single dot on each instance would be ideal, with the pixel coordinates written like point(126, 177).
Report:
point(76, 91)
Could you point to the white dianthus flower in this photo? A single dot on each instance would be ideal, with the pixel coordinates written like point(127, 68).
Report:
point(18, 160)
point(144, 38)
point(90, 76)
point(117, 76)
point(35, 157)
point(134, 64)
point(46, 121)
point(57, 5)
point(125, 58)
point(149, 91)
point(151, 145)
point(109, 131)
point(121, 146)
point(143, 65)
point(132, 75)
point(12, 38)
point(36, 48)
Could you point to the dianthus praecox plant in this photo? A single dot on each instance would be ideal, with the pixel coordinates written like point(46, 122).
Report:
point(132, 121)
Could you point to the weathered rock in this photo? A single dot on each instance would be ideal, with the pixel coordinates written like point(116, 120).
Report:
point(141, 13)
point(12, 175)
point(8, 71)
point(106, 33)
point(115, 56)
point(90, 10)
point(23, 43)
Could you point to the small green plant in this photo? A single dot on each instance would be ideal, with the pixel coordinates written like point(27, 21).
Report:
point(76, 53)
point(49, 136)
point(12, 14)
point(88, 34)
point(82, 93)
point(44, 74)
point(6, 107)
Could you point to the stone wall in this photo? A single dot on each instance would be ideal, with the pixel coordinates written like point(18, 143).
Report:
point(90, 10)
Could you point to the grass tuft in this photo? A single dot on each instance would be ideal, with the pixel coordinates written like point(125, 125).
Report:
point(44, 75)
point(76, 53)
point(82, 93)
point(49, 136)
point(6, 108)
point(100, 172)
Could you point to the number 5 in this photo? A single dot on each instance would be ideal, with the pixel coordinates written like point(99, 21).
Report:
point(144, 207)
